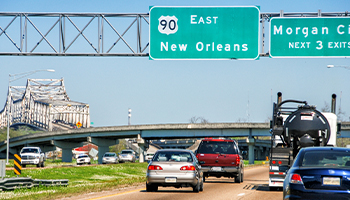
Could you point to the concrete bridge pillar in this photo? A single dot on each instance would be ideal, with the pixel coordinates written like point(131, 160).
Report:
point(67, 149)
point(143, 148)
point(251, 147)
point(103, 146)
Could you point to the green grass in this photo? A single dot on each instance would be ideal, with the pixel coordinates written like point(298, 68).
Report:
point(82, 179)
point(256, 162)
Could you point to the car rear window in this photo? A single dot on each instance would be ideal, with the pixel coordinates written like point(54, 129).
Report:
point(217, 147)
point(326, 159)
point(109, 155)
point(126, 152)
point(170, 156)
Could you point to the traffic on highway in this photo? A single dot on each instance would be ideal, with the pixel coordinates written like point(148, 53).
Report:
point(303, 162)
point(175, 101)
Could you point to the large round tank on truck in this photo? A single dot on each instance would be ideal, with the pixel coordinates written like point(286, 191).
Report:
point(295, 127)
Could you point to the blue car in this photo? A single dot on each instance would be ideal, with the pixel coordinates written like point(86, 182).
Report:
point(319, 173)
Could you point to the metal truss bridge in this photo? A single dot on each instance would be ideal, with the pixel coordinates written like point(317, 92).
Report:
point(94, 34)
point(43, 104)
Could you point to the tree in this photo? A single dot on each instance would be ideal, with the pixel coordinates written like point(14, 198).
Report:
point(118, 147)
point(325, 108)
point(201, 120)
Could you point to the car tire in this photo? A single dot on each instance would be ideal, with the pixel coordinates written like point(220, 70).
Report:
point(23, 166)
point(203, 178)
point(151, 188)
point(238, 179)
point(38, 165)
point(43, 164)
point(273, 188)
point(202, 185)
point(148, 188)
point(196, 188)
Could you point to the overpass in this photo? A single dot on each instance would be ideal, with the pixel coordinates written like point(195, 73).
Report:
point(104, 137)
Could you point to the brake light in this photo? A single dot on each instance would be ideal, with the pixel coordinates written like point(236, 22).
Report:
point(296, 178)
point(237, 160)
point(155, 167)
point(279, 162)
point(188, 168)
point(273, 162)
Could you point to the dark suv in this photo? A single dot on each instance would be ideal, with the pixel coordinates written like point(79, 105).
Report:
point(220, 158)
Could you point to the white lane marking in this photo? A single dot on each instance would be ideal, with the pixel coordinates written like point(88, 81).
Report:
point(241, 194)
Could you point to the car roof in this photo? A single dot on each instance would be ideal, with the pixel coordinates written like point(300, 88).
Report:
point(172, 150)
point(218, 140)
point(325, 148)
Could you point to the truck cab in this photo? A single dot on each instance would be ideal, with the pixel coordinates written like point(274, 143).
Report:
point(32, 156)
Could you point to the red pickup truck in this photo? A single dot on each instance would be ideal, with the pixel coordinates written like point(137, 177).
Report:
point(220, 158)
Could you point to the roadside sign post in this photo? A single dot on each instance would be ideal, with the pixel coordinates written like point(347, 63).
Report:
point(17, 165)
point(204, 33)
point(310, 37)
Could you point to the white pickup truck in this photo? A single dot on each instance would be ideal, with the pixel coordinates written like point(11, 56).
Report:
point(32, 156)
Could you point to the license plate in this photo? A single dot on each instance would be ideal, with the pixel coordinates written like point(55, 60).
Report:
point(170, 180)
point(216, 169)
point(331, 181)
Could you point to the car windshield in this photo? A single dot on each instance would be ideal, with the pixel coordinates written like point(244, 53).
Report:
point(29, 151)
point(126, 152)
point(109, 155)
point(82, 156)
point(326, 159)
point(216, 147)
point(173, 156)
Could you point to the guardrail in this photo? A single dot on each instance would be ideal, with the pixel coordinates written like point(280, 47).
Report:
point(24, 182)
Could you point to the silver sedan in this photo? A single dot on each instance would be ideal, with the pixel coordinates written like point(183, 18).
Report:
point(174, 168)
point(110, 157)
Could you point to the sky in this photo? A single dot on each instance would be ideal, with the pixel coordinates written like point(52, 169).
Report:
point(174, 91)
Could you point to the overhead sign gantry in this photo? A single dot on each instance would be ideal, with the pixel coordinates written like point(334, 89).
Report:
point(177, 33)
point(204, 32)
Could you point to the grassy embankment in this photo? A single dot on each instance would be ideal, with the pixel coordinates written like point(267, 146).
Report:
point(82, 179)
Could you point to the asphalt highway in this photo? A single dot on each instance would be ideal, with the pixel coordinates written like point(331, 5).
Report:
point(255, 186)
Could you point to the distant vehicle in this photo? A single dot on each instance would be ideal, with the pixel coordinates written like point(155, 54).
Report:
point(127, 155)
point(319, 173)
point(174, 168)
point(32, 156)
point(110, 157)
point(149, 156)
point(83, 159)
point(221, 158)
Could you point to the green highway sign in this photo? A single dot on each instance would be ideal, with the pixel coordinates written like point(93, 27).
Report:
point(204, 33)
point(310, 37)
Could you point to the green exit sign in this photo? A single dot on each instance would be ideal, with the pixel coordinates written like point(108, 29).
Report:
point(204, 32)
point(310, 37)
